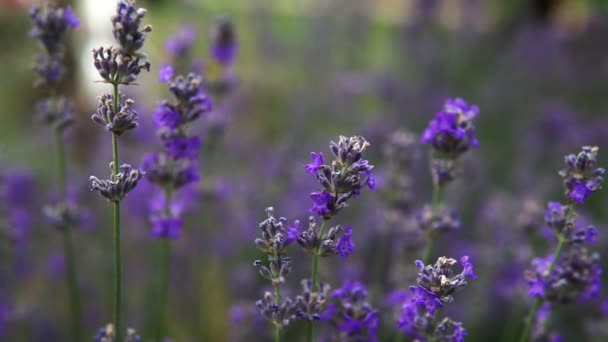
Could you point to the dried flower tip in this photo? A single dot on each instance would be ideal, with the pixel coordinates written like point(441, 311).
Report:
point(117, 187)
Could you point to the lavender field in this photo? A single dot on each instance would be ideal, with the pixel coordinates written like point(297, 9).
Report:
point(347, 170)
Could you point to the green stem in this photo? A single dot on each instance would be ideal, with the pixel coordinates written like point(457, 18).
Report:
point(119, 333)
point(74, 291)
point(118, 274)
point(315, 265)
point(68, 245)
point(164, 288)
point(435, 202)
point(539, 301)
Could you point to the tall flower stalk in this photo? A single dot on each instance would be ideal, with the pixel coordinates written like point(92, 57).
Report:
point(342, 180)
point(120, 66)
point(571, 271)
point(50, 23)
point(173, 169)
point(451, 133)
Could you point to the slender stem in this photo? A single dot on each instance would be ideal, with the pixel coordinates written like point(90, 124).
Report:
point(117, 259)
point(277, 327)
point(164, 288)
point(539, 301)
point(61, 163)
point(315, 264)
point(165, 264)
point(277, 300)
point(435, 202)
point(68, 245)
point(118, 274)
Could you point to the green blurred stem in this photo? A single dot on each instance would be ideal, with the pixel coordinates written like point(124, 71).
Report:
point(68, 245)
point(525, 335)
point(117, 260)
point(165, 264)
point(315, 265)
point(436, 201)
point(277, 327)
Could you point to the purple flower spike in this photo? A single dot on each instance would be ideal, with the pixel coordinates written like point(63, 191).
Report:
point(167, 228)
point(345, 246)
point(317, 161)
point(165, 116)
point(183, 147)
point(166, 73)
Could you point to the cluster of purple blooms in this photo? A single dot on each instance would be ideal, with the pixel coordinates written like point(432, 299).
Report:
point(451, 133)
point(176, 166)
point(352, 315)
point(436, 285)
point(571, 272)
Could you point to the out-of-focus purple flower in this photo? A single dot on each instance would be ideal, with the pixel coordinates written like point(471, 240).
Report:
point(581, 177)
point(167, 116)
point(224, 46)
point(166, 228)
point(352, 315)
point(424, 297)
point(50, 24)
point(165, 73)
point(579, 192)
point(557, 219)
point(345, 246)
point(452, 132)
point(292, 232)
point(180, 44)
point(70, 18)
point(576, 275)
point(317, 161)
point(183, 147)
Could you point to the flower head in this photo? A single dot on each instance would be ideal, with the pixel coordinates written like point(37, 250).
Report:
point(117, 187)
point(581, 177)
point(166, 228)
point(50, 24)
point(345, 246)
point(224, 45)
point(126, 26)
point(165, 73)
point(452, 132)
point(183, 147)
point(442, 279)
point(180, 44)
point(116, 122)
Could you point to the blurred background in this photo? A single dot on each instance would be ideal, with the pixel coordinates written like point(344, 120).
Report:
point(309, 71)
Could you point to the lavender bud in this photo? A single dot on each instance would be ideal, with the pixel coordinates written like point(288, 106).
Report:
point(117, 68)
point(118, 123)
point(126, 23)
point(58, 113)
point(310, 305)
point(581, 177)
point(50, 70)
point(50, 24)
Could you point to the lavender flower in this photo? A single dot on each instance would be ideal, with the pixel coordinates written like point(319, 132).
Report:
point(126, 27)
point(558, 220)
point(344, 179)
point(335, 241)
point(450, 134)
point(50, 70)
point(177, 174)
point(116, 122)
point(115, 67)
point(279, 311)
point(166, 73)
point(183, 147)
point(452, 131)
point(581, 176)
point(435, 287)
point(180, 44)
point(224, 45)
point(117, 187)
point(168, 228)
point(57, 113)
point(445, 220)
point(576, 275)
point(352, 315)
point(50, 24)
point(310, 304)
